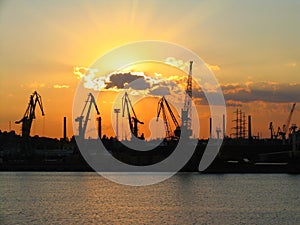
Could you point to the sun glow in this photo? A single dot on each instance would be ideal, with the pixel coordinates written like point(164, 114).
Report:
point(73, 34)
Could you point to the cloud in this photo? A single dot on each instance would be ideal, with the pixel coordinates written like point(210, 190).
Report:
point(262, 91)
point(186, 65)
point(33, 85)
point(231, 103)
point(160, 91)
point(213, 67)
point(91, 81)
point(177, 63)
point(134, 82)
point(122, 80)
point(236, 94)
point(59, 86)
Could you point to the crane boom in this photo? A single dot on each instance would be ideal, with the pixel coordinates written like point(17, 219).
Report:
point(161, 109)
point(29, 114)
point(285, 126)
point(125, 103)
point(171, 113)
point(132, 120)
point(288, 121)
point(84, 121)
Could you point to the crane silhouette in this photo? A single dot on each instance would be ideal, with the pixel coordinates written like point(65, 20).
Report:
point(83, 120)
point(29, 114)
point(164, 107)
point(132, 120)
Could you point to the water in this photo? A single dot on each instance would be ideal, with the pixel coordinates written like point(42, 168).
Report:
point(70, 198)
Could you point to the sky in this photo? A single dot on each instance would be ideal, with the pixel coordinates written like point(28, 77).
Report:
point(252, 47)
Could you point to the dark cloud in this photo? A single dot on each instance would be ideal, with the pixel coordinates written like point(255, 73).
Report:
point(231, 103)
point(120, 80)
point(138, 84)
point(160, 91)
point(237, 94)
point(263, 91)
point(154, 86)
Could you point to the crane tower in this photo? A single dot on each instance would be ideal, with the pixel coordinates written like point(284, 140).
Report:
point(186, 112)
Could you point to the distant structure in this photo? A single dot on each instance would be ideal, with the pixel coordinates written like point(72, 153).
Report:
point(240, 130)
point(99, 119)
point(249, 128)
point(186, 112)
point(29, 115)
point(65, 129)
point(162, 108)
point(132, 120)
point(83, 120)
point(117, 111)
point(286, 126)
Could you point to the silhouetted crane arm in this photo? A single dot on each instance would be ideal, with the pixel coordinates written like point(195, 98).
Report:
point(39, 100)
point(132, 109)
point(132, 120)
point(163, 107)
point(171, 113)
point(287, 125)
point(29, 114)
point(83, 120)
point(125, 107)
point(92, 101)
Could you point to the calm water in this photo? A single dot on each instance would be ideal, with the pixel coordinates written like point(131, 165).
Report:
point(69, 198)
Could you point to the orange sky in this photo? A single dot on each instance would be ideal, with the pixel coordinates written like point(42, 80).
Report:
point(254, 53)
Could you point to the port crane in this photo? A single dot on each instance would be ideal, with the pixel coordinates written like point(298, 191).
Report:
point(273, 134)
point(29, 115)
point(285, 126)
point(132, 120)
point(82, 121)
point(162, 107)
point(186, 112)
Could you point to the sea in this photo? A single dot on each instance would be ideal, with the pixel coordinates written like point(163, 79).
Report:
point(185, 198)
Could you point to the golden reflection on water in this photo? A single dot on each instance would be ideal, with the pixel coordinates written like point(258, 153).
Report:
point(69, 198)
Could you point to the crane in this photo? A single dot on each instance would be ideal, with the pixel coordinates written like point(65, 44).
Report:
point(272, 130)
point(186, 112)
point(163, 106)
point(29, 115)
point(285, 126)
point(132, 120)
point(82, 121)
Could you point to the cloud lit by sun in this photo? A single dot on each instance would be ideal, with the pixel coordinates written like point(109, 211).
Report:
point(152, 78)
